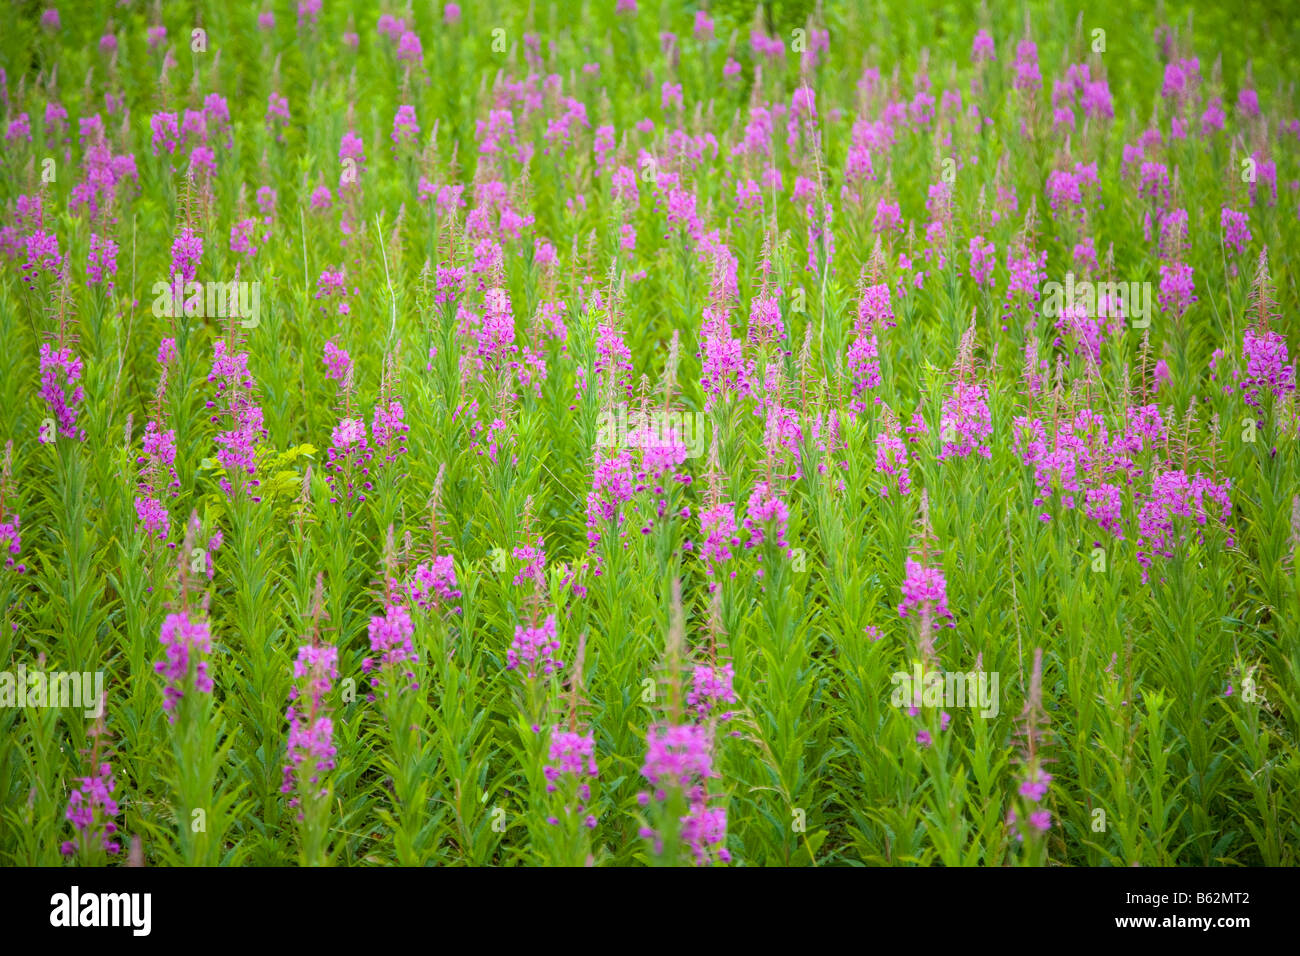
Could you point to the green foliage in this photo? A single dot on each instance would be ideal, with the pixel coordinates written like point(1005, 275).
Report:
point(1170, 695)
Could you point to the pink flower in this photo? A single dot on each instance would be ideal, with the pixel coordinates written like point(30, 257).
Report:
point(310, 747)
point(338, 364)
point(186, 639)
point(241, 237)
point(91, 809)
point(406, 129)
point(711, 686)
point(1265, 352)
point(60, 377)
point(892, 459)
point(766, 512)
point(982, 260)
point(277, 114)
point(534, 649)
point(433, 583)
point(680, 756)
point(101, 262)
point(965, 422)
point(235, 407)
point(348, 462)
point(1176, 288)
point(718, 526)
point(390, 638)
point(925, 588)
point(409, 49)
point(1236, 229)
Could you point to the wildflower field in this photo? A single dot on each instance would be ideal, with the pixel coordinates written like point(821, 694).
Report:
point(619, 433)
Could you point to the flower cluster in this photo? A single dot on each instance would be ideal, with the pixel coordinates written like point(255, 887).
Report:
point(348, 463)
point(965, 422)
point(571, 765)
point(891, 457)
point(433, 584)
point(718, 526)
point(186, 639)
point(390, 638)
point(534, 649)
point(91, 809)
point(62, 391)
point(310, 747)
point(680, 756)
point(237, 409)
point(766, 513)
point(711, 686)
point(925, 589)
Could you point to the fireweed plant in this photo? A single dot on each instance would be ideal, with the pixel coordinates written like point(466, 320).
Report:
point(624, 409)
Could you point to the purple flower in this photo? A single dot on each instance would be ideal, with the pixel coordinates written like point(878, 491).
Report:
point(390, 638)
point(965, 422)
point(1236, 229)
point(237, 408)
point(1027, 78)
point(571, 765)
point(924, 588)
point(241, 237)
point(389, 429)
point(1265, 352)
point(718, 526)
point(348, 462)
point(703, 26)
point(60, 376)
point(680, 756)
point(310, 746)
point(101, 262)
point(1034, 786)
point(338, 364)
point(406, 130)
point(1176, 288)
point(308, 11)
point(534, 648)
point(711, 686)
point(19, 127)
point(321, 198)
point(409, 49)
point(983, 258)
point(10, 539)
point(91, 809)
point(764, 512)
point(185, 640)
point(187, 250)
point(433, 583)
point(277, 114)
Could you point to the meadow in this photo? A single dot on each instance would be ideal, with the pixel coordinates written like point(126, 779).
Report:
point(619, 433)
